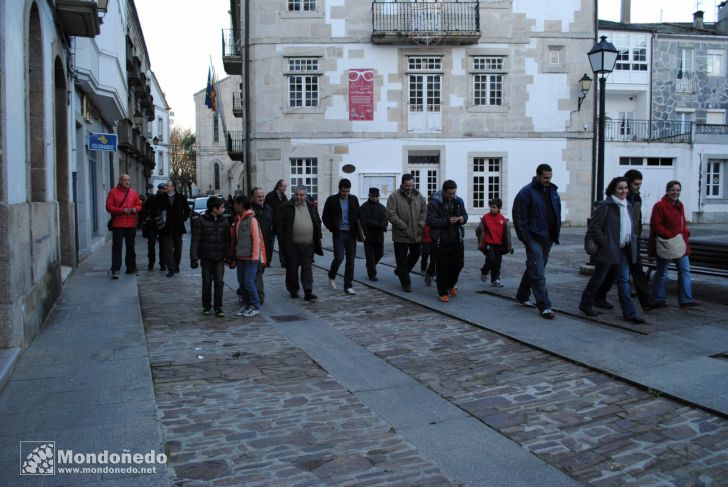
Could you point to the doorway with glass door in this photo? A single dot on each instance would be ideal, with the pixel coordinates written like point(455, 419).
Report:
point(424, 166)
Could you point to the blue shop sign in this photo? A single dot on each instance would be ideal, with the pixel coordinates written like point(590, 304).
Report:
point(104, 142)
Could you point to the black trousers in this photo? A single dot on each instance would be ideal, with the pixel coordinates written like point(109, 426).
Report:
point(639, 278)
point(373, 252)
point(449, 261)
point(493, 260)
point(212, 273)
point(126, 237)
point(427, 268)
point(301, 257)
point(170, 249)
point(406, 255)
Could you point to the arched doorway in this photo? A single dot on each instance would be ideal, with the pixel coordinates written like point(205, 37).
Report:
point(65, 207)
point(36, 118)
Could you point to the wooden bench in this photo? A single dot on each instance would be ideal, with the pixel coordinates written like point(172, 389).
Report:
point(708, 257)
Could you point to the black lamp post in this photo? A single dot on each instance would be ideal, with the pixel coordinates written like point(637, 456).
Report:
point(602, 58)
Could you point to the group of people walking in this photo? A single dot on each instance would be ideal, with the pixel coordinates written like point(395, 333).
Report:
point(433, 230)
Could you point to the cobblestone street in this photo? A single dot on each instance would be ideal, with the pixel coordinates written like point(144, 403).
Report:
point(242, 405)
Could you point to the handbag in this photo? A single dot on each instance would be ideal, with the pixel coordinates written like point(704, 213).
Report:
point(591, 247)
point(111, 220)
point(671, 248)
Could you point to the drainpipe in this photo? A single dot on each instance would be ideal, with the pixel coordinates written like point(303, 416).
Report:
point(246, 95)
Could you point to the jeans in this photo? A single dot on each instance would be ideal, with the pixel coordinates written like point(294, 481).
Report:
point(601, 271)
point(344, 246)
point(449, 259)
point(373, 253)
point(406, 255)
point(212, 273)
point(301, 256)
point(534, 277)
point(125, 236)
point(152, 249)
point(246, 271)
point(170, 250)
point(638, 277)
point(684, 287)
point(493, 259)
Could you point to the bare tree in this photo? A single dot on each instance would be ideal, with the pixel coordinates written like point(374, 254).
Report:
point(183, 159)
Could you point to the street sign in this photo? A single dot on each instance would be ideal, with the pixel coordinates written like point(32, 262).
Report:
point(103, 142)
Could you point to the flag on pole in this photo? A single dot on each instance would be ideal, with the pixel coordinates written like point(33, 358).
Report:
point(210, 93)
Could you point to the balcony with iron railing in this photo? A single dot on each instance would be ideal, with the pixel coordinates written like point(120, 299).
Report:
point(232, 53)
point(645, 131)
point(708, 133)
point(446, 22)
point(685, 82)
point(237, 104)
point(235, 142)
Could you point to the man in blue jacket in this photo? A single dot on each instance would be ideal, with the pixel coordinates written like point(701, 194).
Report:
point(537, 219)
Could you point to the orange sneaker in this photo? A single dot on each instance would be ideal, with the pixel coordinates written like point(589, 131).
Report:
point(453, 291)
point(444, 298)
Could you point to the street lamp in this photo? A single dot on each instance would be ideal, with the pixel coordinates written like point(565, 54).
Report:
point(602, 58)
point(155, 140)
point(584, 85)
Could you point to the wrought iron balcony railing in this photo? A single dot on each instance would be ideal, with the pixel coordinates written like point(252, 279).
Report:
point(237, 104)
point(235, 142)
point(446, 22)
point(232, 52)
point(711, 129)
point(685, 82)
point(646, 131)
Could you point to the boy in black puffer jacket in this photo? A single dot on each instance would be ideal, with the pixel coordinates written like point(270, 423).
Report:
point(210, 242)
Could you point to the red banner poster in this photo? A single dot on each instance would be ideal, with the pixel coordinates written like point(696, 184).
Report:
point(361, 94)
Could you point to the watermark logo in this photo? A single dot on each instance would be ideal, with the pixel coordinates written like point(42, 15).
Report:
point(37, 458)
point(42, 458)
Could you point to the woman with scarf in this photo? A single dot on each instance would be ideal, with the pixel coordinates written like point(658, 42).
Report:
point(613, 230)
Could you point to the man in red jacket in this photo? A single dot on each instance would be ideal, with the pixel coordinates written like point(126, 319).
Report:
point(123, 204)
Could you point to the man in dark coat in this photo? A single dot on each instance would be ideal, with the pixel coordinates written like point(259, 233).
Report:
point(173, 210)
point(209, 246)
point(373, 217)
point(341, 218)
point(264, 215)
point(299, 234)
point(446, 216)
point(537, 219)
point(149, 227)
point(275, 199)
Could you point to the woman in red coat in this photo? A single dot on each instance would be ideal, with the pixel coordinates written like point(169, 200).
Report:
point(668, 221)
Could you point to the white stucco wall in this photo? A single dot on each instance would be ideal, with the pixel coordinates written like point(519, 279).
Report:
point(563, 11)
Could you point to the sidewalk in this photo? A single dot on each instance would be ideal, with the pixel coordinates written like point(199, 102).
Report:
point(680, 352)
point(85, 382)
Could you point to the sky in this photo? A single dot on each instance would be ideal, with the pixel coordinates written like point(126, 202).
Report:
point(182, 35)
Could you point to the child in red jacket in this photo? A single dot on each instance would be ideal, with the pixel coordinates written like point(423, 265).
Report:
point(494, 241)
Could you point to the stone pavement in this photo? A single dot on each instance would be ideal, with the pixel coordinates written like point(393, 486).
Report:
point(85, 382)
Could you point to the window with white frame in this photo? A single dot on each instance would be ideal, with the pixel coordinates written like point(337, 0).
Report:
point(160, 163)
point(646, 161)
point(686, 119)
point(486, 180)
point(714, 61)
point(632, 51)
point(425, 83)
point(304, 171)
point(488, 77)
point(554, 56)
point(626, 127)
point(713, 178)
point(301, 5)
point(685, 75)
point(303, 82)
point(160, 129)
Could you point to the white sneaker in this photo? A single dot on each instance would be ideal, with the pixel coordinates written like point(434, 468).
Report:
point(252, 312)
point(242, 311)
point(496, 283)
point(332, 283)
point(350, 291)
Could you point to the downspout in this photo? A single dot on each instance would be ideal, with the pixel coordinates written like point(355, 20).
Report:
point(246, 95)
point(594, 196)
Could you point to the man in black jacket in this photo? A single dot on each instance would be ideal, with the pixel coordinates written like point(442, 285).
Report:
point(299, 234)
point(341, 217)
point(149, 227)
point(209, 245)
point(173, 210)
point(373, 217)
point(275, 199)
point(264, 215)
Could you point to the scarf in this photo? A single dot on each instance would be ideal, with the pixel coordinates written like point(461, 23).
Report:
point(625, 222)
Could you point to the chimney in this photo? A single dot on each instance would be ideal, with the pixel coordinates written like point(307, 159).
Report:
point(626, 11)
point(698, 20)
point(721, 26)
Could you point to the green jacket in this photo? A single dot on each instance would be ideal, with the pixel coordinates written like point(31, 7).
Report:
point(407, 214)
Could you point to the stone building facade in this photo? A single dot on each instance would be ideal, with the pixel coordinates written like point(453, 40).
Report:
point(481, 100)
point(666, 105)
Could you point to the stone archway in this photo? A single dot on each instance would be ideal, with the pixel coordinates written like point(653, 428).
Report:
point(36, 115)
point(65, 205)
